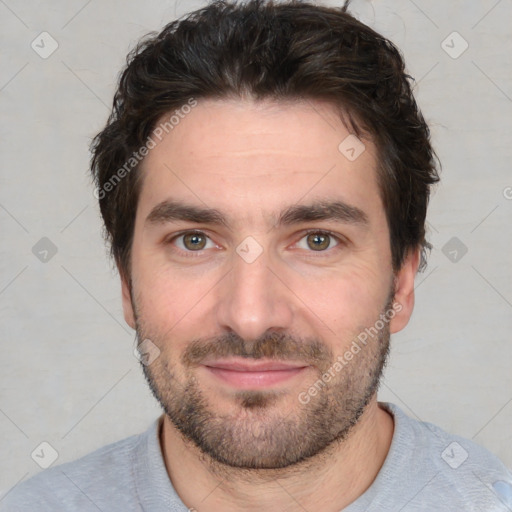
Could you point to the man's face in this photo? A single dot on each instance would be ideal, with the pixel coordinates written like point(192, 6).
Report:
point(252, 304)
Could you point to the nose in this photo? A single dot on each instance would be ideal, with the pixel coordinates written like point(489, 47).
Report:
point(254, 298)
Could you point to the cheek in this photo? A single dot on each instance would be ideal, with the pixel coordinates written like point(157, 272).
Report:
point(171, 302)
point(345, 300)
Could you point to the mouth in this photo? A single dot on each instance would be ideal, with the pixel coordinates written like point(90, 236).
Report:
point(244, 374)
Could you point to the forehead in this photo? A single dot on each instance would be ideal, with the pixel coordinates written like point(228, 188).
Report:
point(249, 159)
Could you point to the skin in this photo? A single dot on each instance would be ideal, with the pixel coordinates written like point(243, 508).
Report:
point(250, 160)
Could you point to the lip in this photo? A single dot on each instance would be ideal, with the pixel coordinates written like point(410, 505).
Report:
point(244, 374)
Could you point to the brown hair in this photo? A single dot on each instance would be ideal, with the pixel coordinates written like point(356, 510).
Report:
point(269, 50)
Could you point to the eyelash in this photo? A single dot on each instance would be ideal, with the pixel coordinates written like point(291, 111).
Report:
point(340, 241)
point(195, 254)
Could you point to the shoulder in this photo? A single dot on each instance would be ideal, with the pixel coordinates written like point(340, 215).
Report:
point(451, 466)
point(84, 484)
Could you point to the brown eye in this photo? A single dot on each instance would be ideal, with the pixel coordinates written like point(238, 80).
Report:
point(318, 241)
point(194, 241)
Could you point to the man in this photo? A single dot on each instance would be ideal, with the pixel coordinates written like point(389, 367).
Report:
point(263, 179)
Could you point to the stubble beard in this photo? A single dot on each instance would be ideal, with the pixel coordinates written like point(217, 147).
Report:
point(258, 435)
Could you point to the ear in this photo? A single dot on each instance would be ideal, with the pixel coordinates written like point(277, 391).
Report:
point(404, 290)
point(129, 314)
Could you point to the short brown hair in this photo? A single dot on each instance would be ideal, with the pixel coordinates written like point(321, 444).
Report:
point(270, 50)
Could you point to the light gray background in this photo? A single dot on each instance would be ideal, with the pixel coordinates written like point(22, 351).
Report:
point(68, 374)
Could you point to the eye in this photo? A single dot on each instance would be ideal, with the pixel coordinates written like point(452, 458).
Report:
point(192, 241)
point(318, 241)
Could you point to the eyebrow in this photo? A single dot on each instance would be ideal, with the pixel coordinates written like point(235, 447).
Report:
point(338, 211)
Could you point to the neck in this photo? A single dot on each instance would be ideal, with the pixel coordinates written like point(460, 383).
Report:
point(329, 481)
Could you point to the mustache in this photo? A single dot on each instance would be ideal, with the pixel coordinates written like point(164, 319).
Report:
point(271, 345)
